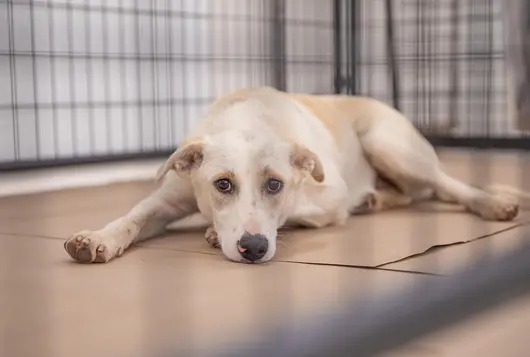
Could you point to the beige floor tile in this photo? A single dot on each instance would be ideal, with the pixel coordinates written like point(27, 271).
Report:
point(51, 306)
point(72, 201)
point(445, 260)
point(365, 241)
point(500, 332)
point(157, 294)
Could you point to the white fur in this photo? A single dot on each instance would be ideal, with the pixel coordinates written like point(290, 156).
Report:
point(249, 130)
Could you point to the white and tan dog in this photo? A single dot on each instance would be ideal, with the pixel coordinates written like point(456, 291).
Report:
point(261, 158)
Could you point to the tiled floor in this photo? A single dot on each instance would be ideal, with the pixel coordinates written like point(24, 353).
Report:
point(176, 292)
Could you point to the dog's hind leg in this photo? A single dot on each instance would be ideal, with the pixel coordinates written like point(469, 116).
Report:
point(382, 199)
point(398, 151)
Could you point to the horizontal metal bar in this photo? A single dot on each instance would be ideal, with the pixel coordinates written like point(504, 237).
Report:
point(294, 59)
point(469, 142)
point(119, 104)
point(379, 324)
point(165, 57)
point(516, 143)
point(61, 162)
point(163, 12)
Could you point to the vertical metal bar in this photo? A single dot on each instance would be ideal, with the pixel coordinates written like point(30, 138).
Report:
point(106, 71)
point(123, 75)
point(248, 46)
point(523, 88)
point(347, 30)
point(428, 20)
point(370, 60)
point(227, 28)
point(489, 66)
point(278, 44)
point(360, 37)
point(35, 79)
point(337, 45)
point(154, 74)
point(354, 45)
point(169, 68)
point(13, 70)
point(418, 53)
point(262, 49)
point(392, 61)
point(470, 72)
point(200, 46)
point(184, 84)
point(53, 80)
point(140, 122)
point(215, 52)
point(436, 90)
point(89, 85)
point(72, 81)
point(455, 40)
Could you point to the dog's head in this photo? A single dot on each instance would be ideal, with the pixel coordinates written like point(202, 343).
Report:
point(246, 185)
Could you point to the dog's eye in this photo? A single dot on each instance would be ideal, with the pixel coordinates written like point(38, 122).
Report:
point(274, 186)
point(223, 185)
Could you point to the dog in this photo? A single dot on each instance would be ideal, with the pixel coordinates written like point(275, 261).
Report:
point(263, 158)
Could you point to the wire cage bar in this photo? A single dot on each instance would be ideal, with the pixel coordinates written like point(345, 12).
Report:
point(112, 80)
point(122, 79)
point(442, 63)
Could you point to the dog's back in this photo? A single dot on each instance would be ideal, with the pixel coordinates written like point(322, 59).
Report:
point(308, 120)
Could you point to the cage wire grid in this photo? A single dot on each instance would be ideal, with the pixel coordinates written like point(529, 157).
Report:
point(98, 80)
point(442, 64)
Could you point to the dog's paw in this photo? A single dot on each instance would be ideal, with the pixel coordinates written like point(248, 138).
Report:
point(341, 218)
point(212, 238)
point(369, 204)
point(92, 247)
point(495, 208)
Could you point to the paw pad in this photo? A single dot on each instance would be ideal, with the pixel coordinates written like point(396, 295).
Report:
point(87, 247)
point(212, 238)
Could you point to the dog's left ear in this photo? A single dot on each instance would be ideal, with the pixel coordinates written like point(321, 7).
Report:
point(304, 159)
point(186, 158)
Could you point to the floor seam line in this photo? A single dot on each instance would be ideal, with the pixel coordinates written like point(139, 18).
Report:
point(427, 251)
point(364, 267)
point(30, 236)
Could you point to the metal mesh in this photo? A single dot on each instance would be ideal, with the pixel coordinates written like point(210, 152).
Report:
point(448, 57)
point(104, 78)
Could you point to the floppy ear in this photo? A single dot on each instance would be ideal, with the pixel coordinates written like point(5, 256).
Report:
point(183, 159)
point(304, 159)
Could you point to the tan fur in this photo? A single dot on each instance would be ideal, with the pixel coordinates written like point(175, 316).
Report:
point(348, 145)
point(183, 159)
point(232, 98)
point(496, 202)
point(325, 111)
point(383, 199)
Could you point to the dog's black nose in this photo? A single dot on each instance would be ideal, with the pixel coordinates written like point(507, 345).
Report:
point(253, 247)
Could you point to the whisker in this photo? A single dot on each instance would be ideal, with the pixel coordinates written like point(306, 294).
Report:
point(282, 243)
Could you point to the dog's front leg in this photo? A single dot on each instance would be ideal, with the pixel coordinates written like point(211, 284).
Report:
point(172, 201)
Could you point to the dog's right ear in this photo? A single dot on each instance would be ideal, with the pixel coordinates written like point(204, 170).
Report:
point(306, 160)
point(183, 160)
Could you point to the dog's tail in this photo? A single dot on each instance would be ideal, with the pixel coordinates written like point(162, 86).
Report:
point(522, 197)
